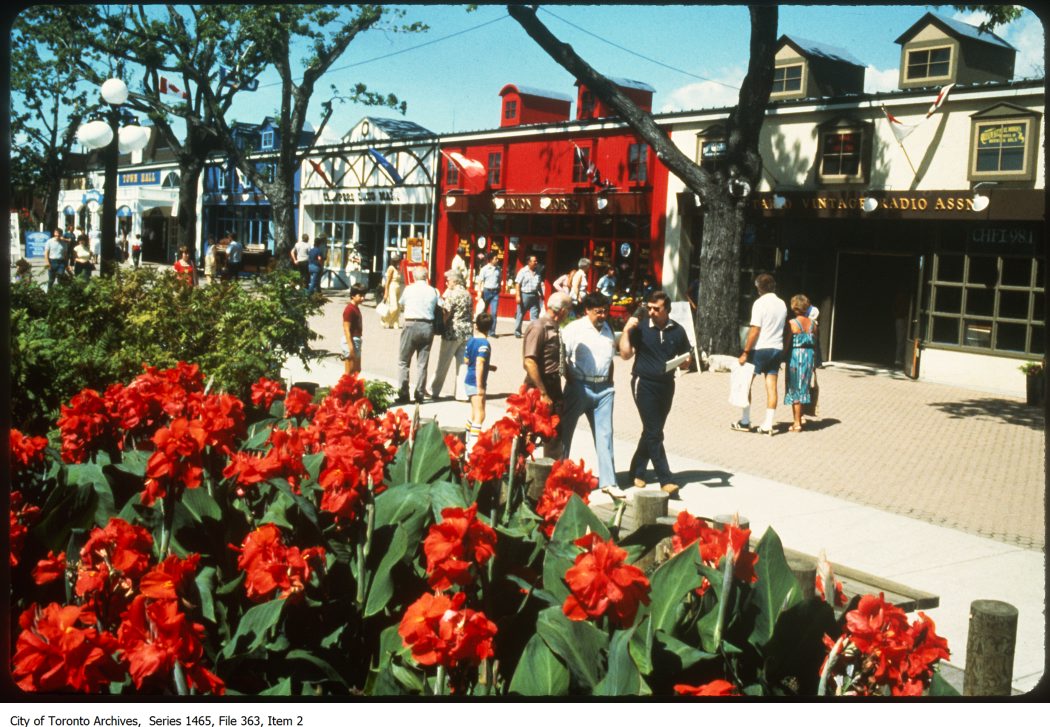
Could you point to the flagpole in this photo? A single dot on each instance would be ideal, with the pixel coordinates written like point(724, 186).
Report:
point(901, 145)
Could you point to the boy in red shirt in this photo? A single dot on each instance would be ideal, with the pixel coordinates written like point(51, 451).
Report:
point(353, 328)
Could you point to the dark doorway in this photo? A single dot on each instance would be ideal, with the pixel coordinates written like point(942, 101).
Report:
point(864, 325)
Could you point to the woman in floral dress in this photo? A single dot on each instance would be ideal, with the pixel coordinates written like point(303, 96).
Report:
point(459, 325)
point(801, 361)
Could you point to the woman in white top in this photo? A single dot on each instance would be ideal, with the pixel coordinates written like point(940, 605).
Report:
point(392, 292)
point(82, 265)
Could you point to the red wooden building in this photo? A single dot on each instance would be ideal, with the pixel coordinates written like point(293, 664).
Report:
point(555, 187)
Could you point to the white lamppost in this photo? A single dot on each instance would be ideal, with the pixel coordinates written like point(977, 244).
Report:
point(108, 134)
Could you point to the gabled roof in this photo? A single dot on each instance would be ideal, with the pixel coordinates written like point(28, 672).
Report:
point(399, 128)
point(533, 91)
point(813, 49)
point(955, 28)
point(628, 83)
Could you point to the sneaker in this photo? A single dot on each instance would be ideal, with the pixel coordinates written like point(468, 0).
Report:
point(614, 492)
point(740, 427)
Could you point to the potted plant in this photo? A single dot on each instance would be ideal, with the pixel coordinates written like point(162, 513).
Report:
point(1035, 382)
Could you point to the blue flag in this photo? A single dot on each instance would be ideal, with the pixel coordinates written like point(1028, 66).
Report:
point(386, 166)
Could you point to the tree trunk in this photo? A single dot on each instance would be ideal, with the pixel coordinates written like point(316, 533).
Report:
point(189, 178)
point(717, 315)
point(282, 203)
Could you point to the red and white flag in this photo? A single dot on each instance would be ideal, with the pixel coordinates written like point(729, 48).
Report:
point(166, 86)
point(471, 168)
point(939, 100)
point(898, 127)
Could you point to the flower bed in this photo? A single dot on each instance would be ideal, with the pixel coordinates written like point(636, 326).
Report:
point(168, 539)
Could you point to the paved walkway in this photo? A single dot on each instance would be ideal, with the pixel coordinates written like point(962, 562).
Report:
point(938, 488)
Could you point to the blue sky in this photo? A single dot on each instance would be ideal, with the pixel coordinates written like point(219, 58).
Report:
point(452, 83)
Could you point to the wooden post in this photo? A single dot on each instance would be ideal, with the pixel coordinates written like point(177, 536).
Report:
point(536, 473)
point(649, 507)
point(665, 548)
point(990, 649)
point(459, 433)
point(805, 572)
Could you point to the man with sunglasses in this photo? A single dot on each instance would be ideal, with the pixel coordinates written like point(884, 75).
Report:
point(656, 339)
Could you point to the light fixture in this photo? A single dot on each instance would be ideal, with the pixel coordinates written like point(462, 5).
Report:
point(779, 201)
point(114, 91)
point(131, 138)
point(870, 204)
point(498, 202)
point(602, 202)
point(481, 242)
point(450, 200)
point(545, 202)
point(95, 134)
point(981, 201)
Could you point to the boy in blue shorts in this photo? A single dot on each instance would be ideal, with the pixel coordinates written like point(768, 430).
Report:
point(476, 357)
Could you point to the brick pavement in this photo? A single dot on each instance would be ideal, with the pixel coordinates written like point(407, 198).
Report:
point(947, 456)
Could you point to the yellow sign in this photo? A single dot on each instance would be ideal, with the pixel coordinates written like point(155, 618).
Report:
point(1002, 135)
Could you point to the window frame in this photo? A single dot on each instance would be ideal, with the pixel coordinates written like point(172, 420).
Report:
point(638, 167)
point(451, 174)
point(266, 139)
point(494, 168)
point(579, 169)
point(510, 109)
point(802, 66)
point(1028, 155)
point(841, 127)
point(928, 49)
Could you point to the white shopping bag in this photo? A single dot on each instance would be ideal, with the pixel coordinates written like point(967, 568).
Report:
point(740, 384)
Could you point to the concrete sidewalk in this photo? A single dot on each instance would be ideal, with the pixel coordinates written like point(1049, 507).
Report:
point(936, 488)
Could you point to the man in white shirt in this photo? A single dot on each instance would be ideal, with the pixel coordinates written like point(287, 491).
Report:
point(419, 303)
point(488, 282)
point(764, 348)
point(588, 346)
point(528, 293)
point(300, 255)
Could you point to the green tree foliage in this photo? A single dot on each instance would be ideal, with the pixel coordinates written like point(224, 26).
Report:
point(92, 335)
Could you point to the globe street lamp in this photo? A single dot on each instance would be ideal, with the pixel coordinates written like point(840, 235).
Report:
point(108, 135)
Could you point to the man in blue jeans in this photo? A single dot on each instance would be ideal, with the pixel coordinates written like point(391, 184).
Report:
point(528, 293)
point(315, 266)
point(489, 278)
point(589, 346)
point(56, 257)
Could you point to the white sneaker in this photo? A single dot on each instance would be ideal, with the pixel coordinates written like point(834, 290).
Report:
point(615, 492)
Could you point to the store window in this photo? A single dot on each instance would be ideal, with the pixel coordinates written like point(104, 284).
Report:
point(1002, 147)
point(495, 168)
point(405, 221)
point(637, 163)
point(928, 64)
point(986, 301)
point(787, 79)
point(843, 152)
point(581, 162)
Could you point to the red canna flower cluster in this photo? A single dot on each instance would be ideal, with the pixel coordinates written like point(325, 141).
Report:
point(299, 403)
point(890, 652)
point(716, 688)
point(357, 446)
point(440, 631)
point(535, 416)
point(527, 417)
point(50, 568)
point(713, 544)
point(26, 452)
point(456, 450)
point(272, 568)
point(22, 516)
point(456, 543)
point(86, 426)
point(602, 583)
point(59, 650)
point(284, 459)
point(565, 480)
point(177, 459)
point(112, 562)
point(265, 391)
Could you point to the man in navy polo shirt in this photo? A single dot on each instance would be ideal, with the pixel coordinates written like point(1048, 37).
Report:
point(656, 339)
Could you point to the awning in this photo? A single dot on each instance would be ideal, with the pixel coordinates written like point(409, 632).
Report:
point(124, 211)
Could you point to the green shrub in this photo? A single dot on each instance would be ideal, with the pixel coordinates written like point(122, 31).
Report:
point(97, 333)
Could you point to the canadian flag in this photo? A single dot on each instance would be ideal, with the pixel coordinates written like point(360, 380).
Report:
point(939, 100)
point(166, 86)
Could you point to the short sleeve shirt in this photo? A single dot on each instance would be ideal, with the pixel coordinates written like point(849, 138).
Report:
point(588, 351)
point(476, 348)
point(528, 280)
point(56, 250)
point(352, 315)
point(769, 313)
point(654, 347)
point(542, 342)
point(234, 251)
point(302, 250)
point(457, 303)
point(489, 276)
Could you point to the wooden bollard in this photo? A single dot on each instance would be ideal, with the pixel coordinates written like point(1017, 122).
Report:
point(665, 548)
point(990, 649)
point(536, 473)
point(805, 572)
point(649, 506)
point(459, 433)
point(310, 387)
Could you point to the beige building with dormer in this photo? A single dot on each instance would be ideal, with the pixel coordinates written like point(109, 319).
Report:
point(913, 219)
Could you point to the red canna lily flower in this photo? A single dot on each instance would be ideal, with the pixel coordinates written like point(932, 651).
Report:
point(50, 568)
point(298, 403)
point(536, 417)
point(716, 688)
point(177, 459)
point(456, 543)
point(272, 568)
point(565, 480)
point(26, 452)
point(86, 426)
point(59, 651)
point(439, 631)
point(714, 543)
point(265, 391)
point(21, 517)
point(170, 576)
point(602, 583)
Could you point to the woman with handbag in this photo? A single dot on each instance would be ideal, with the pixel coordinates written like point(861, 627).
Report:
point(459, 325)
point(801, 359)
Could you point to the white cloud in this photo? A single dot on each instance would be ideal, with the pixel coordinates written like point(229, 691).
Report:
point(715, 93)
point(1025, 34)
point(876, 81)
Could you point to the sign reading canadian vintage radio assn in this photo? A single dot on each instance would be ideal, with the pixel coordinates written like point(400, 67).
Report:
point(367, 195)
point(1012, 204)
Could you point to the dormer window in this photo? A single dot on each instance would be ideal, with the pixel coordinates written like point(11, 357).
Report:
point(929, 64)
point(510, 110)
point(1003, 145)
point(267, 140)
point(787, 79)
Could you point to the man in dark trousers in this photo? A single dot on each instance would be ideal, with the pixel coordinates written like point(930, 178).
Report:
point(656, 339)
point(541, 358)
